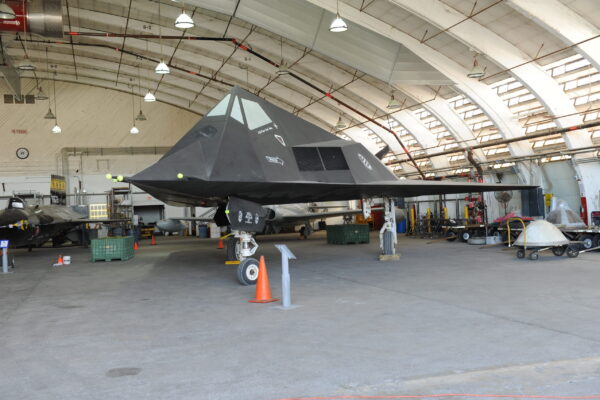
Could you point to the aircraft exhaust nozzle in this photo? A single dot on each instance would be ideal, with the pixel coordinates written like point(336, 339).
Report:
point(270, 213)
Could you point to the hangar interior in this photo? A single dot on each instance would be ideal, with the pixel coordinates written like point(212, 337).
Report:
point(488, 91)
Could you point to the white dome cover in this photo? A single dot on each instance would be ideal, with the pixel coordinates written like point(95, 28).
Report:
point(561, 214)
point(542, 233)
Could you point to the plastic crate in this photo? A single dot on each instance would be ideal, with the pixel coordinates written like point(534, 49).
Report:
point(112, 248)
point(348, 234)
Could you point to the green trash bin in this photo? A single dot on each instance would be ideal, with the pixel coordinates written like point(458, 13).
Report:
point(348, 234)
point(112, 248)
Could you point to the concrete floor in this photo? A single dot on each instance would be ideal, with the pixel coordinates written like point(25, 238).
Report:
point(173, 323)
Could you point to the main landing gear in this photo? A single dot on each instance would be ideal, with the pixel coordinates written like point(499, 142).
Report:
point(241, 247)
point(388, 237)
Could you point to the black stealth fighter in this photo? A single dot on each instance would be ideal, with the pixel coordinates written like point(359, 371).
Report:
point(247, 152)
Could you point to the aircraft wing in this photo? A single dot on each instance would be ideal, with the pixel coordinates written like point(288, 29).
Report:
point(193, 219)
point(313, 216)
point(194, 191)
point(96, 221)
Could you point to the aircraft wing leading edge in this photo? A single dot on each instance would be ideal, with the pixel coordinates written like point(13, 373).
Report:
point(196, 192)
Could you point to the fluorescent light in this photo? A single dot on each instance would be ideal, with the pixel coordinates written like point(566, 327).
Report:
point(184, 21)
point(56, 128)
point(162, 68)
point(49, 115)
point(338, 24)
point(134, 130)
point(393, 104)
point(26, 67)
point(6, 12)
point(149, 97)
point(340, 124)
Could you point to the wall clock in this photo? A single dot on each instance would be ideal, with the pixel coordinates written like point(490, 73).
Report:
point(22, 153)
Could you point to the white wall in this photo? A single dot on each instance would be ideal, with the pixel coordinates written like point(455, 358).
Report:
point(89, 117)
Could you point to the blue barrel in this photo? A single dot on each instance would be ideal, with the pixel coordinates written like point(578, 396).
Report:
point(203, 231)
point(401, 226)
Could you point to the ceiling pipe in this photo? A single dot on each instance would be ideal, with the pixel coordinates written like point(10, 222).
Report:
point(40, 17)
point(543, 133)
point(531, 157)
point(134, 54)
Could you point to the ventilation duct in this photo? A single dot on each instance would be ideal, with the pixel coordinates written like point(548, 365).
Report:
point(40, 17)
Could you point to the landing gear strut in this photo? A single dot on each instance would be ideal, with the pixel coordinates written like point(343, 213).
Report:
point(245, 246)
point(387, 235)
point(305, 231)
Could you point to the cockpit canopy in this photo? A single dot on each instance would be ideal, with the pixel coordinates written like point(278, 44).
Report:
point(16, 202)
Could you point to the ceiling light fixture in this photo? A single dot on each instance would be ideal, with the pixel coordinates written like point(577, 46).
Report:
point(56, 128)
point(6, 12)
point(141, 116)
point(340, 124)
point(283, 70)
point(134, 130)
point(393, 103)
point(476, 72)
point(149, 97)
point(40, 95)
point(184, 21)
point(49, 114)
point(338, 24)
point(26, 67)
point(162, 68)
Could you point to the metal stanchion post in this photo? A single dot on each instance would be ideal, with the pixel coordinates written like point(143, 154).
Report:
point(4, 246)
point(286, 292)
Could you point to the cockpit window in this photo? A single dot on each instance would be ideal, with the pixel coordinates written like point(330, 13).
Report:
point(255, 115)
point(219, 109)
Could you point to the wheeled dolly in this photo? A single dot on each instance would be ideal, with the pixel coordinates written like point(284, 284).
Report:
point(571, 250)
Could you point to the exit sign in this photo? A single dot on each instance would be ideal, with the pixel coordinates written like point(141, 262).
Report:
point(19, 131)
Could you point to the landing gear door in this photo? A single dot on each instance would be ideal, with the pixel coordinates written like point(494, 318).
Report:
point(366, 208)
point(246, 216)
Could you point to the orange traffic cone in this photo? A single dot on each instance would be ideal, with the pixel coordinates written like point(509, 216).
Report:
point(220, 245)
point(59, 261)
point(263, 291)
point(153, 242)
point(136, 246)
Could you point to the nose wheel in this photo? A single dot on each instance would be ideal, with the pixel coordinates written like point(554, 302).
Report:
point(247, 272)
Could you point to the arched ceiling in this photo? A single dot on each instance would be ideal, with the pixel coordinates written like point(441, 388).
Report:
point(419, 51)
